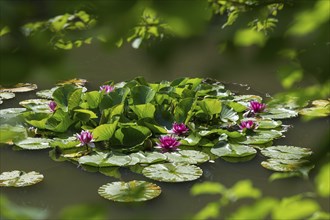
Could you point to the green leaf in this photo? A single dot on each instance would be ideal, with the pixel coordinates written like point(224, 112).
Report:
point(142, 94)
point(130, 136)
point(148, 157)
point(284, 165)
point(183, 110)
point(228, 114)
point(104, 132)
point(37, 119)
point(11, 134)
point(70, 142)
point(34, 143)
point(224, 149)
point(169, 172)
point(36, 105)
point(18, 178)
point(192, 140)
point(144, 110)
point(244, 189)
point(60, 121)
point(91, 100)
point(116, 97)
point(322, 181)
point(248, 37)
point(133, 191)
point(261, 137)
point(187, 157)
point(295, 207)
point(100, 159)
point(279, 113)
point(268, 124)
point(211, 210)
point(286, 152)
point(208, 188)
point(67, 97)
point(259, 210)
point(210, 106)
point(84, 211)
point(47, 93)
point(9, 113)
point(6, 95)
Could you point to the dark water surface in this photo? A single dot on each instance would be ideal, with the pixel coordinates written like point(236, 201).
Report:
point(66, 184)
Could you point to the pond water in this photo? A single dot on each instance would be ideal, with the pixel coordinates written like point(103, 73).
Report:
point(66, 184)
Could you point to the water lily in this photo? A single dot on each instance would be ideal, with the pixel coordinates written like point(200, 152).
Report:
point(168, 143)
point(247, 125)
point(52, 105)
point(257, 107)
point(85, 138)
point(179, 128)
point(106, 88)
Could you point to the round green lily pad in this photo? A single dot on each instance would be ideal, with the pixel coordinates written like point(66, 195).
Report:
point(18, 178)
point(47, 93)
point(148, 157)
point(9, 113)
point(36, 105)
point(284, 165)
point(224, 149)
point(34, 143)
point(101, 159)
point(279, 113)
point(133, 191)
point(286, 152)
point(187, 156)
point(6, 95)
point(170, 172)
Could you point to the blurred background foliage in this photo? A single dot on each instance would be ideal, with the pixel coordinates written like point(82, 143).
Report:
point(286, 40)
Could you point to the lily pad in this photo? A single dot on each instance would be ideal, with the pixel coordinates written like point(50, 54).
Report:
point(286, 152)
point(20, 87)
point(34, 143)
point(9, 113)
point(170, 172)
point(261, 137)
point(36, 105)
point(279, 113)
point(100, 159)
point(18, 178)
point(133, 191)
point(75, 81)
point(187, 157)
point(268, 124)
point(6, 95)
point(224, 149)
point(284, 165)
point(148, 157)
point(9, 133)
point(47, 93)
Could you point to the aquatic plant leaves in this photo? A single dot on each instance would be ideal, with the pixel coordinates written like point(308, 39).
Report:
point(20, 87)
point(9, 113)
point(286, 152)
point(75, 81)
point(319, 108)
point(67, 97)
point(183, 110)
point(34, 143)
point(228, 114)
point(169, 172)
point(142, 94)
point(322, 181)
point(36, 105)
point(6, 95)
point(10, 134)
point(279, 113)
point(187, 157)
point(284, 165)
point(130, 136)
point(104, 132)
point(100, 159)
point(268, 124)
point(224, 149)
point(67, 143)
point(148, 157)
point(132, 191)
point(144, 110)
point(46, 93)
point(18, 178)
point(261, 137)
point(210, 106)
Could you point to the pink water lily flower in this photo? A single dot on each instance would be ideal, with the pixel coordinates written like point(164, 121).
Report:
point(85, 138)
point(168, 143)
point(106, 88)
point(52, 105)
point(179, 128)
point(247, 125)
point(257, 107)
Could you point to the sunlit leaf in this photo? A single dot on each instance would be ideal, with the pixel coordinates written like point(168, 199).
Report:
point(6, 95)
point(90, 211)
point(148, 157)
point(75, 81)
point(34, 143)
point(20, 178)
point(187, 157)
point(207, 188)
point(286, 152)
point(10, 134)
point(20, 87)
point(244, 189)
point(284, 165)
point(322, 181)
point(133, 191)
point(36, 105)
point(104, 132)
point(169, 172)
point(224, 149)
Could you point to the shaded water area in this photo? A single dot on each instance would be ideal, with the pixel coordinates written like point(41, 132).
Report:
point(66, 184)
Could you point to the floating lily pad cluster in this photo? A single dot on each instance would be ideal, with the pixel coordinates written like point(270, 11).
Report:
point(161, 130)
